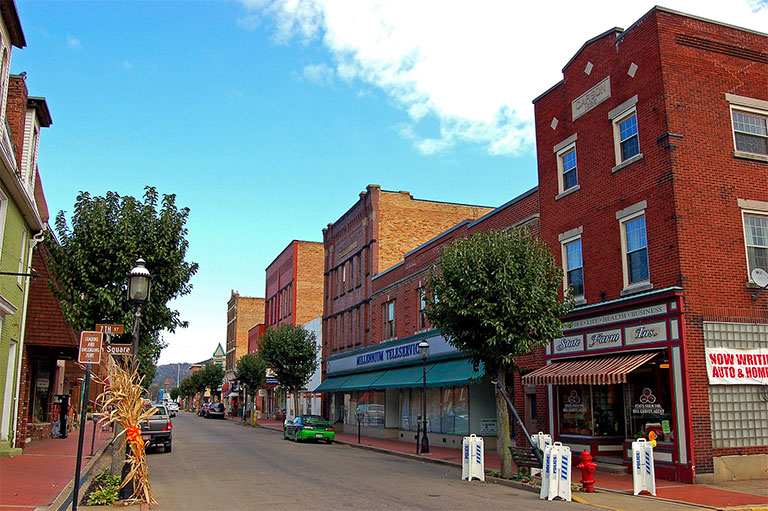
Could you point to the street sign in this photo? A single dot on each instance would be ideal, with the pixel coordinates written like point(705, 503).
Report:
point(90, 347)
point(111, 329)
point(120, 349)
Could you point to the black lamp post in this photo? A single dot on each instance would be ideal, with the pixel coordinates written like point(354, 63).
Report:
point(424, 354)
point(138, 293)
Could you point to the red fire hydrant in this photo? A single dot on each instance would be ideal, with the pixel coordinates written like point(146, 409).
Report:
point(587, 467)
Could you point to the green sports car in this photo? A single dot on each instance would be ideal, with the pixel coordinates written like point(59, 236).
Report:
point(309, 427)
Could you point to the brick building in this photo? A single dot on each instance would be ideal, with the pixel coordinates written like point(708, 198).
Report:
point(384, 378)
point(370, 237)
point(652, 151)
point(243, 312)
point(294, 293)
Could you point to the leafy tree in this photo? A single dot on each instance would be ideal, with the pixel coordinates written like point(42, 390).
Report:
point(494, 296)
point(211, 377)
point(175, 392)
point(291, 352)
point(108, 234)
point(251, 370)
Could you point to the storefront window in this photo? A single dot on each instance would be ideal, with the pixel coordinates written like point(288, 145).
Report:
point(415, 408)
point(370, 405)
point(575, 410)
point(608, 406)
point(649, 403)
point(433, 410)
point(41, 392)
point(405, 409)
point(447, 415)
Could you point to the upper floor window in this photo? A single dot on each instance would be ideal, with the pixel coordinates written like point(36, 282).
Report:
point(756, 237)
point(574, 267)
point(389, 319)
point(626, 137)
point(567, 175)
point(749, 122)
point(750, 132)
point(422, 313)
point(634, 248)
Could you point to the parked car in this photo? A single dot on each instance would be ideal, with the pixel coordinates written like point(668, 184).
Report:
point(215, 411)
point(173, 408)
point(158, 429)
point(203, 409)
point(309, 427)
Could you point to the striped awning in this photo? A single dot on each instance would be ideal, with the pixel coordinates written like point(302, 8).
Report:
point(590, 371)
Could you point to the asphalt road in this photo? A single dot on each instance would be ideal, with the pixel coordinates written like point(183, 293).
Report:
point(222, 465)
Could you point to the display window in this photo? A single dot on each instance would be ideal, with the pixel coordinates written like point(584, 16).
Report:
point(649, 402)
point(447, 410)
point(575, 410)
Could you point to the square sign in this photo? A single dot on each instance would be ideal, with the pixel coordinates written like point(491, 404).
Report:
point(90, 347)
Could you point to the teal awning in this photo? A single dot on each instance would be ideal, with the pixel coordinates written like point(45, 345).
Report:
point(453, 372)
point(402, 377)
point(361, 381)
point(332, 384)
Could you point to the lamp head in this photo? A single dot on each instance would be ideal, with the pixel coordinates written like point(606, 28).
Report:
point(424, 350)
point(139, 279)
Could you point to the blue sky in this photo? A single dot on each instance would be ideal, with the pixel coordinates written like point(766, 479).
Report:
point(267, 118)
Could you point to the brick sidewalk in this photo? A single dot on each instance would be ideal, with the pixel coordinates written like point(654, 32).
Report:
point(699, 494)
point(36, 477)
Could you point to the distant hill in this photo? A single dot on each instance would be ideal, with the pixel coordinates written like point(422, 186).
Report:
point(169, 372)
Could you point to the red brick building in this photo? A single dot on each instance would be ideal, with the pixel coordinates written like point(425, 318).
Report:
point(653, 151)
point(385, 378)
point(294, 292)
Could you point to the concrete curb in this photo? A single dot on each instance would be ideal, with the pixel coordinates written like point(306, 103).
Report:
point(64, 499)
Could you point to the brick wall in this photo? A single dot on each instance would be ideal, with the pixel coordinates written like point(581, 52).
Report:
point(372, 235)
point(16, 110)
point(308, 295)
point(243, 313)
point(689, 175)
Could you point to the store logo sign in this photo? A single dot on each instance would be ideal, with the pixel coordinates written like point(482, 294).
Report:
point(568, 344)
point(604, 339)
point(647, 404)
point(648, 332)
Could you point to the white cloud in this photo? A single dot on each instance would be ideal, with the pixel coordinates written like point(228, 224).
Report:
point(475, 68)
point(320, 74)
point(74, 43)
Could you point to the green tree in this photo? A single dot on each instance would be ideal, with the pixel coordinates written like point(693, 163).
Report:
point(211, 377)
point(291, 352)
point(175, 392)
point(89, 265)
point(251, 370)
point(494, 296)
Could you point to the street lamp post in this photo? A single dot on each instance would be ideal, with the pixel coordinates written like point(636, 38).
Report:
point(423, 354)
point(138, 293)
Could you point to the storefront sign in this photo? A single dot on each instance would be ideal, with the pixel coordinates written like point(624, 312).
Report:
point(727, 366)
point(649, 332)
point(646, 404)
point(616, 317)
point(391, 353)
point(568, 344)
point(487, 427)
point(603, 340)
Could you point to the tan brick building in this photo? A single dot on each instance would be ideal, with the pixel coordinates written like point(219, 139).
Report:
point(243, 312)
point(370, 237)
point(294, 289)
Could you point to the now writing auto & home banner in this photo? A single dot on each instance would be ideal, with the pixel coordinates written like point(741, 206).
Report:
point(728, 366)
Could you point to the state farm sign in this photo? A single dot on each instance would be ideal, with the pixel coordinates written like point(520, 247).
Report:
point(726, 366)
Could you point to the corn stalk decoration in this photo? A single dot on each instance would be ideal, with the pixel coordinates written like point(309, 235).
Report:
point(122, 403)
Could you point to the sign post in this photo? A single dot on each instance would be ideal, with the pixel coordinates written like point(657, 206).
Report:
point(90, 353)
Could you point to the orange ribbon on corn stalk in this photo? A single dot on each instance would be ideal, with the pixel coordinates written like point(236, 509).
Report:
point(133, 434)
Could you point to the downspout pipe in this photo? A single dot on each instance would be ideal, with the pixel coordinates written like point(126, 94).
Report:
point(37, 238)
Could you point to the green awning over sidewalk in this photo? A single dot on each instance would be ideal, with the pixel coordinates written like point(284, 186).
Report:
point(361, 381)
point(332, 384)
point(453, 372)
point(402, 377)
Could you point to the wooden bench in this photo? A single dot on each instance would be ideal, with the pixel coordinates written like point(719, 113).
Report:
point(525, 460)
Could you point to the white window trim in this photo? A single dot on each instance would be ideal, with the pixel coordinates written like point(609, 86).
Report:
point(754, 208)
point(561, 149)
point(616, 116)
point(751, 106)
point(565, 239)
point(623, 216)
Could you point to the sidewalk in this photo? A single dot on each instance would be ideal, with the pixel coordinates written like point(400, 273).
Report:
point(36, 477)
point(745, 494)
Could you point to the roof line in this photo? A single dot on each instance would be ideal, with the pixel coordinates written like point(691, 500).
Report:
point(506, 205)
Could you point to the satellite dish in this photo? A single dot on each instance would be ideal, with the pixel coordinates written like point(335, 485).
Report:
point(760, 277)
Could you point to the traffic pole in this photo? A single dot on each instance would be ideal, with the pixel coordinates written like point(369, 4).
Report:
point(83, 405)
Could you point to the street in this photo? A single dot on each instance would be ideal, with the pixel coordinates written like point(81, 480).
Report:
point(218, 464)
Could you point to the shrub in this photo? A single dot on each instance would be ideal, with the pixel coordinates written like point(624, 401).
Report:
point(107, 489)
